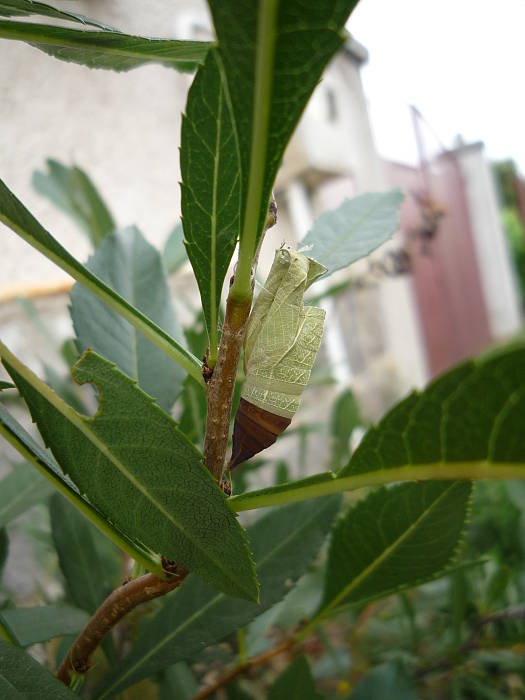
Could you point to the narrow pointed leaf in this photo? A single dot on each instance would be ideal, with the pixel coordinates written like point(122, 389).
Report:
point(389, 680)
point(4, 548)
point(39, 624)
point(89, 563)
point(467, 424)
point(210, 185)
point(273, 55)
point(127, 263)
point(6, 633)
point(25, 8)
point(395, 538)
point(21, 489)
point(141, 472)
point(106, 49)
point(174, 254)
point(71, 189)
point(44, 462)
point(192, 420)
point(22, 677)
point(284, 543)
point(344, 419)
point(178, 682)
point(471, 414)
point(353, 230)
point(295, 683)
point(22, 222)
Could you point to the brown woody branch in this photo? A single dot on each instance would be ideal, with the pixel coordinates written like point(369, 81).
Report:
point(471, 644)
point(222, 383)
point(114, 608)
point(245, 667)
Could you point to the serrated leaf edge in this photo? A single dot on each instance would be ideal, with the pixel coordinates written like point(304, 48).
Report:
point(82, 423)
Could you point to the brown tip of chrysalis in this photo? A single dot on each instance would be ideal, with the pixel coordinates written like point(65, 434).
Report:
point(254, 430)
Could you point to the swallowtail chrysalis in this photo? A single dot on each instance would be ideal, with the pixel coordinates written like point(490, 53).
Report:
point(281, 343)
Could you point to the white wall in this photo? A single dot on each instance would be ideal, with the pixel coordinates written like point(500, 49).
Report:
point(122, 128)
point(497, 275)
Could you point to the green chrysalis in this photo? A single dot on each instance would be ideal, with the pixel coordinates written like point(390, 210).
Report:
point(281, 343)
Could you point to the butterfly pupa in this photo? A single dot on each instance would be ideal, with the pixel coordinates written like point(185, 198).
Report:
point(281, 343)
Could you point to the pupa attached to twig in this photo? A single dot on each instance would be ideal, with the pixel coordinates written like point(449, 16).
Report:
point(281, 343)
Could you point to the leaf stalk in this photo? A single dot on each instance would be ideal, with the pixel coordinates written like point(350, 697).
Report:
point(439, 471)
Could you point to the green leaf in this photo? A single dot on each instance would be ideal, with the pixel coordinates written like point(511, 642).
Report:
point(63, 385)
point(467, 424)
point(106, 49)
point(22, 222)
point(22, 677)
point(300, 604)
point(273, 54)
point(4, 548)
point(284, 542)
point(19, 490)
point(9, 8)
point(174, 254)
point(193, 417)
point(89, 568)
point(72, 190)
point(394, 538)
point(178, 682)
point(210, 186)
point(472, 413)
point(127, 263)
point(352, 231)
point(389, 680)
point(6, 633)
point(295, 683)
point(235, 691)
point(39, 624)
point(141, 472)
point(6, 385)
point(345, 418)
point(42, 459)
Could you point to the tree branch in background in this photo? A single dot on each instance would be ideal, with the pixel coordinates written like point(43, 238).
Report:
point(245, 667)
point(472, 643)
point(112, 610)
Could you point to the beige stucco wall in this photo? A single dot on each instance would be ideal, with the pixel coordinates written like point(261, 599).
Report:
point(122, 128)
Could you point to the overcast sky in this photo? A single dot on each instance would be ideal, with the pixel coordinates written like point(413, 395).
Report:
point(461, 62)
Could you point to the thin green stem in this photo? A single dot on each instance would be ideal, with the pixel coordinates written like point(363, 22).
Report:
point(308, 488)
point(241, 642)
point(264, 60)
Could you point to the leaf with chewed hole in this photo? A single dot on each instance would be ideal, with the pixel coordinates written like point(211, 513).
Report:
point(284, 542)
point(141, 472)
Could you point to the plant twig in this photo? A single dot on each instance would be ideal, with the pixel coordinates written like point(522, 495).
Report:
point(114, 608)
point(248, 665)
point(222, 382)
point(472, 643)
point(35, 291)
